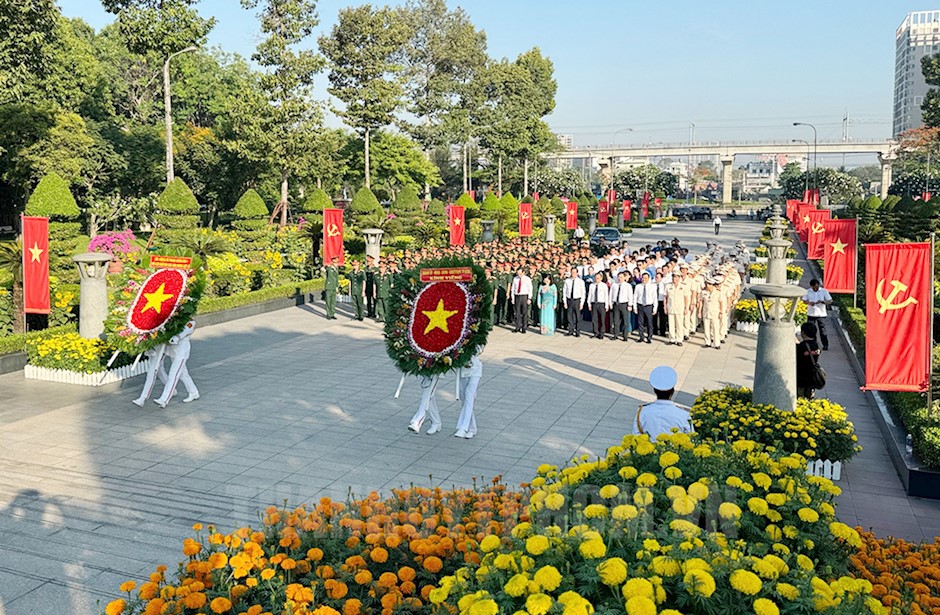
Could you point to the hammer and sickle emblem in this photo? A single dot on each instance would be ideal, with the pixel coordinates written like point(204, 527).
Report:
point(332, 231)
point(817, 228)
point(887, 303)
point(525, 215)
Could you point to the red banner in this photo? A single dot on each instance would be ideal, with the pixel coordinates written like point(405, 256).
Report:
point(899, 308)
point(602, 213)
point(162, 261)
point(446, 274)
point(457, 224)
point(807, 196)
point(333, 235)
point(611, 197)
point(473, 195)
point(839, 273)
point(802, 222)
point(571, 215)
point(627, 205)
point(925, 196)
point(815, 196)
point(535, 197)
point(35, 265)
point(814, 248)
point(525, 219)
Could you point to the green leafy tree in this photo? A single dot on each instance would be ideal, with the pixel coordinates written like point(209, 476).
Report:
point(407, 208)
point(11, 261)
point(362, 50)
point(365, 206)
point(930, 107)
point(839, 186)
point(540, 209)
point(397, 162)
point(470, 207)
point(27, 30)
point(489, 210)
point(436, 209)
point(565, 182)
point(508, 211)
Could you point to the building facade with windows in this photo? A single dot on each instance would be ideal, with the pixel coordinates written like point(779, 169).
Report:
point(916, 37)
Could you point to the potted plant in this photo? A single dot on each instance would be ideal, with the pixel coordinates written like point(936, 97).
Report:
point(117, 244)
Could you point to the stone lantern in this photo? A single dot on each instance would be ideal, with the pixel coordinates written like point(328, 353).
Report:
point(549, 220)
point(775, 365)
point(93, 294)
point(487, 229)
point(592, 221)
point(777, 248)
point(373, 238)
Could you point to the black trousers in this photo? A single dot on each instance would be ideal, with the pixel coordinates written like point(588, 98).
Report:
point(510, 308)
point(561, 315)
point(820, 322)
point(645, 313)
point(574, 316)
point(370, 295)
point(621, 319)
point(500, 306)
point(717, 228)
point(661, 325)
point(599, 316)
point(522, 312)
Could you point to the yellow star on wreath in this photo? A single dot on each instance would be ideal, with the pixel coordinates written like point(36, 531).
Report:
point(838, 246)
point(156, 299)
point(437, 319)
point(35, 253)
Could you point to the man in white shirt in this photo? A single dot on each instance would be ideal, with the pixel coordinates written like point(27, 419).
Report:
point(521, 292)
point(621, 298)
point(817, 299)
point(573, 296)
point(645, 303)
point(599, 301)
point(663, 415)
point(717, 222)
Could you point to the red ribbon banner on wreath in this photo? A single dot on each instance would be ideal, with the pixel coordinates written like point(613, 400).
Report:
point(457, 224)
point(525, 219)
point(571, 215)
point(333, 235)
point(439, 318)
point(156, 300)
point(35, 266)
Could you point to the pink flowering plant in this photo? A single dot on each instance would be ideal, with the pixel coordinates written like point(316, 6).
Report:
point(115, 243)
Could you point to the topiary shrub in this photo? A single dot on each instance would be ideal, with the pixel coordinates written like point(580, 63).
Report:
point(364, 202)
point(317, 202)
point(407, 208)
point(52, 199)
point(251, 225)
point(490, 208)
point(176, 210)
point(250, 206)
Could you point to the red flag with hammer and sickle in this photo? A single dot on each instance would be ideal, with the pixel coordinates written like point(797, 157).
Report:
point(457, 224)
point(602, 212)
point(333, 235)
point(627, 206)
point(35, 266)
point(839, 241)
point(525, 219)
point(571, 215)
point(899, 308)
point(817, 219)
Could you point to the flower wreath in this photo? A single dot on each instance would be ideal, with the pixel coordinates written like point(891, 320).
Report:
point(438, 326)
point(133, 335)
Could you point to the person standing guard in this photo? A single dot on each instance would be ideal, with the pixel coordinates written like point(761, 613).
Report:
point(521, 293)
point(663, 415)
point(712, 314)
point(331, 286)
point(676, 300)
point(645, 298)
point(599, 302)
point(573, 295)
point(383, 289)
point(357, 281)
point(370, 286)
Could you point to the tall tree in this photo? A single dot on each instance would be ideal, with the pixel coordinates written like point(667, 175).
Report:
point(930, 107)
point(540, 137)
point(27, 27)
point(281, 128)
point(364, 50)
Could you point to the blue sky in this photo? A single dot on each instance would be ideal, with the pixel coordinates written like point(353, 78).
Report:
point(738, 70)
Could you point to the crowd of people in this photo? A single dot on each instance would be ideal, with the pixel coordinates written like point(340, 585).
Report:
point(613, 293)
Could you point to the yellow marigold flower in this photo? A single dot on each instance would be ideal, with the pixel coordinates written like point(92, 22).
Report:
point(674, 491)
point(763, 606)
point(638, 586)
point(593, 549)
point(761, 480)
point(668, 459)
point(788, 591)
point(699, 582)
point(643, 497)
point(665, 566)
point(115, 607)
point(773, 532)
point(808, 515)
point(758, 506)
point(746, 582)
point(646, 479)
point(776, 499)
point(733, 481)
point(625, 512)
point(128, 586)
point(651, 544)
point(220, 605)
point(672, 472)
point(609, 492)
point(765, 569)
point(484, 607)
point(267, 574)
point(684, 505)
point(489, 543)
point(686, 528)
point(504, 561)
point(827, 509)
point(545, 468)
point(522, 530)
point(627, 472)
point(537, 545)
point(645, 447)
point(536, 604)
point(548, 578)
point(702, 451)
point(438, 595)
point(698, 490)
point(517, 585)
point(612, 571)
point(594, 511)
point(729, 510)
point(846, 533)
point(554, 501)
point(804, 562)
point(640, 605)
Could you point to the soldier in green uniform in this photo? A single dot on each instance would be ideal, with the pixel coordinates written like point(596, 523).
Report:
point(357, 288)
point(503, 279)
point(383, 288)
point(492, 306)
point(331, 284)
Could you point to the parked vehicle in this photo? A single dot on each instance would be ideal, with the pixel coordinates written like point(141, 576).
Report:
point(683, 213)
point(606, 236)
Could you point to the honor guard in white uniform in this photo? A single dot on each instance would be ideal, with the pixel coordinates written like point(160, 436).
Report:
point(663, 415)
point(427, 407)
point(178, 349)
point(469, 382)
point(154, 370)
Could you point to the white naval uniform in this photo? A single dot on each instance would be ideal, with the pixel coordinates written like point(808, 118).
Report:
point(154, 370)
point(178, 349)
point(427, 406)
point(659, 417)
point(469, 382)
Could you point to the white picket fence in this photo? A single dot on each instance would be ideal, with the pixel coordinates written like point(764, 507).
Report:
point(825, 468)
point(752, 327)
point(64, 376)
point(764, 259)
point(754, 280)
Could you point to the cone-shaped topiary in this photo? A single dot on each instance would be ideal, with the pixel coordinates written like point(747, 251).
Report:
point(251, 225)
point(53, 199)
point(176, 211)
point(364, 202)
point(317, 202)
point(407, 208)
point(436, 208)
point(490, 208)
point(250, 206)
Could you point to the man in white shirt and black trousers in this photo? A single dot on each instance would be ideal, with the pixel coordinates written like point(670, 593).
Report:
point(599, 301)
point(621, 299)
point(521, 292)
point(645, 302)
point(817, 299)
point(573, 295)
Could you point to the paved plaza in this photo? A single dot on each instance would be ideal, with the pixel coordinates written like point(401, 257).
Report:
point(94, 491)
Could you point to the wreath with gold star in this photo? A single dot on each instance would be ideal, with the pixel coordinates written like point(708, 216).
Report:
point(435, 327)
point(151, 305)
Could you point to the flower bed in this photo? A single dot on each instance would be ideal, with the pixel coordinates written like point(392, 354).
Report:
point(746, 311)
point(72, 353)
point(904, 576)
point(695, 527)
point(63, 376)
point(758, 271)
point(817, 429)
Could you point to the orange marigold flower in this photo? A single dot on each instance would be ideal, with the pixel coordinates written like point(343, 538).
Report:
point(289, 563)
point(299, 593)
point(128, 586)
point(379, 555)
point(325, 610)
point(406, 573)
point(315, 555)
point(195, 600)
point(389, 600)
point(220, 605)
point(407, 588)
point(191, 547)
point(149, 590)
point(352, 607)
point(363, 577)
point(325, 572)
point(392, 541)
point(115, 607)
point(352, 542)
point(254, 609)
point(267, 574)
point(218, 560)
point(433, 564)
point(388, 579)
point(155, 607)
point(338, 590)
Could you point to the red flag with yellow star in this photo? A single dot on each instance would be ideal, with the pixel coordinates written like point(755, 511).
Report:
point(839, 254)
point(571, 215)
point(457, 224)
point(802, 220)
point(814, 247)
point(525, 219)
point(36, 265)
point(898, 312)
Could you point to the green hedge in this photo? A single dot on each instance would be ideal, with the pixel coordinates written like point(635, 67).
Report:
point(17, 342)
point(911, 408)
point(64, 231)
point(250, 225)
point(217, 304)
point(176, 222)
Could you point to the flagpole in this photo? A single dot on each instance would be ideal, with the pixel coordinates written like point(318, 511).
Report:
point(933, 238)
point(855, 291)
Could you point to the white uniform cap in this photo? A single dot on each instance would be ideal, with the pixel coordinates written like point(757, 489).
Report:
point(663, 378)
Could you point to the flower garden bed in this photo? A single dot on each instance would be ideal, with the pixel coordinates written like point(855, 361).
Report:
point(747, 315)
point(64, 376)
point(70, 359)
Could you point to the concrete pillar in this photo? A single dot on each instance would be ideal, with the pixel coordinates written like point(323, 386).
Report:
point(487, 229)
point(373, 237)
point(639, 213)
point(775, 365)
point(887, 169)
point(592, 221)
point(93, 296)
point(726, 178)
point(619, 216)
point(549, 220)
point(777, 261)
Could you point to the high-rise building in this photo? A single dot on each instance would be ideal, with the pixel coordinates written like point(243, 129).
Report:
point(917, 36)
point(564, 141)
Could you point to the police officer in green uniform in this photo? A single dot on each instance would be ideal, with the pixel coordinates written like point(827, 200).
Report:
point(330, 286)
point(383, 288)
point(357, 282)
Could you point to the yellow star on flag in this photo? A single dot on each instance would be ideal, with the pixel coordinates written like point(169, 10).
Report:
point(457, 221)
point(437, 319)
point(156, 299)
point(838, 247)
point(806, 219)
point(35, 253)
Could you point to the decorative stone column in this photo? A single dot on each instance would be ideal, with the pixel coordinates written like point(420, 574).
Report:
point(487, 229)
point(619, 216)
point(93, 296)
point(640, 217)
point(775, 366)
point(777, 248)
point(373, 237)
point(549, 220)
point(592, 221)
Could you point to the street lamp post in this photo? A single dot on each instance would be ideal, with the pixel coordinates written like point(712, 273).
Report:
point(167, 111)
point(806, 175)
point(612, 137)
point(815, 154)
